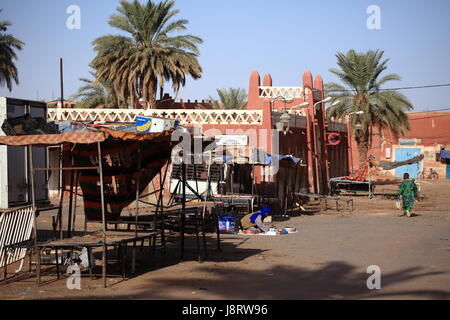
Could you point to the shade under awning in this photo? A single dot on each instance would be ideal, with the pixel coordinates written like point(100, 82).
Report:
point(248, 155)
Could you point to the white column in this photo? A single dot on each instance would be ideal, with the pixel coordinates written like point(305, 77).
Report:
point(3, 159)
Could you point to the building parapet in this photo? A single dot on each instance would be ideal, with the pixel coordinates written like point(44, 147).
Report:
point(287, 92)
point(185, 116)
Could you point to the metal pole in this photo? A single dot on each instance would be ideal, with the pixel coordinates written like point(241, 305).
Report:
point(253, 186)
point(102, 197)
point(62, 186)
point(294, 188)
point(137, 193)
point(183, 209)
point(69, 219)
point(33, 203)
point(232, 182)
point(286, 187)
point(77, 176)
point(62, 81)
point(310, 152)
point(161, 203)
point(349, 146)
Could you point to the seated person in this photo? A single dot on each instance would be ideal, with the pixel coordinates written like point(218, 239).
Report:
point(254, 221)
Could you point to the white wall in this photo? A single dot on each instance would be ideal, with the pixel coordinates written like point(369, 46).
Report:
point(3, 160)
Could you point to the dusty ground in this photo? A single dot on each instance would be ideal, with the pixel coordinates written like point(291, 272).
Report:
point(327, 259)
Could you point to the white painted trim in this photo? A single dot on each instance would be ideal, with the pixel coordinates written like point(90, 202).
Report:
point(185, 116)
point(286, 92)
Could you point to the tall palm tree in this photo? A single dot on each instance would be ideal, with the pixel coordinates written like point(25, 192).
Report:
point(361, 76)
point(95, 94)
point(8, 46)
point(150, 56)
point(232, 99)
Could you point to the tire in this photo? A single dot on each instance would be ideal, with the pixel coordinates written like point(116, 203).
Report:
point(434, 176)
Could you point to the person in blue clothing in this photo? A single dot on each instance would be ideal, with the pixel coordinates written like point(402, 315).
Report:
point(254, 221)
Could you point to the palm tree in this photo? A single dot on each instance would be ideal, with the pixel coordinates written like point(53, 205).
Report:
point(95, 94)
point(231, 99)
point(150, 56)
point(8, 45)
point(360, 74)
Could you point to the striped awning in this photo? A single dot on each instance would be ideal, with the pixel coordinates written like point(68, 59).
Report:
point(81, 138)
point(53, 139)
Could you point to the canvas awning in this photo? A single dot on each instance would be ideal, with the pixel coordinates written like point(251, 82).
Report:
point(80, 138)
point(53, 139)
point(126, 156)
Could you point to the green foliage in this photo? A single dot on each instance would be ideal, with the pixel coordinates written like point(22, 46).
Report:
point(230, 99)
point(96, 94)
point(361, 75)
point(150, 55)
point(8, 46)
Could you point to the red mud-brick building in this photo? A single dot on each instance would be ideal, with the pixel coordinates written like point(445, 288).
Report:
point(306, 138)
point(429, 133)
point(281, 120)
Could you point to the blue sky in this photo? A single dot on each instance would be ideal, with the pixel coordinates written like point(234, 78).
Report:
point(283, 37)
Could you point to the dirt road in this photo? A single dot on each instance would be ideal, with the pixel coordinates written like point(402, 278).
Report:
point(327, 259)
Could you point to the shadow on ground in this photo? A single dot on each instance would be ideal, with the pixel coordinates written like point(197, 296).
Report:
point(335, 280)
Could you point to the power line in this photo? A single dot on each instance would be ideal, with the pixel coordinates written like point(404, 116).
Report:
point(419, 87)
point(402, 88)
point(438, 110)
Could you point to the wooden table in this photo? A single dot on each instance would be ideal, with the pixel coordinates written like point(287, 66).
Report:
point(95, 240)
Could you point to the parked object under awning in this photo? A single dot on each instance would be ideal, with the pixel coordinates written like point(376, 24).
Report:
point(247, 155)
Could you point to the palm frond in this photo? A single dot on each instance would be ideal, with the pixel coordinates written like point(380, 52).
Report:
point(137, 64)
point(361, 74)
point(230, 99)
point(9, 45)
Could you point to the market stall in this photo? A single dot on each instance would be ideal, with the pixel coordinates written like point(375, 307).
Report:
point(113, 168)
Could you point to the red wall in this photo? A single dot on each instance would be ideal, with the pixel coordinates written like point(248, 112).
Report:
point(432, 128)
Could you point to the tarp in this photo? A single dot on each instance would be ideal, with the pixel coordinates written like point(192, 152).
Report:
point(121, 172)
point(121, 152)
point(445, 154)
point(386, 165)
point(137, 136)
point(359, 175)
point(248, 155)
point(269, 159)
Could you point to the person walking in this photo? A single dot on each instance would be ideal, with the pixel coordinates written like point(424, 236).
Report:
point(408, 191)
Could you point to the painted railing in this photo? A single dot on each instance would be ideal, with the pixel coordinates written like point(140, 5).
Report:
point(287, 92)
point(15, 228)
point(185, 116)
